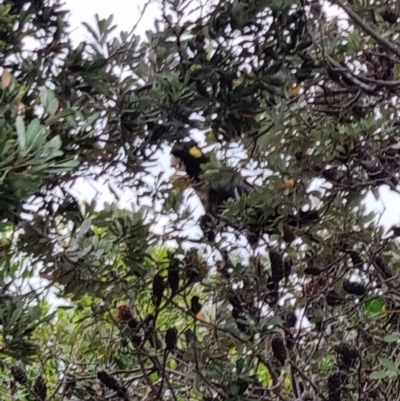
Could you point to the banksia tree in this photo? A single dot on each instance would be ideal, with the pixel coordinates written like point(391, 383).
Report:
point(281, 122)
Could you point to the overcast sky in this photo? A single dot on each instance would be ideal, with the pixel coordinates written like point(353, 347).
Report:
point(126, 13)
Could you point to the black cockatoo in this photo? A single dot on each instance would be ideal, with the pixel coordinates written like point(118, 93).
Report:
point(188, 157)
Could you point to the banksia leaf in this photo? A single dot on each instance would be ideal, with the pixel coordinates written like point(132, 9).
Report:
point(158, 289)
point(171, 338)
point(354, 288)
point(40, 389)
point(19, 375)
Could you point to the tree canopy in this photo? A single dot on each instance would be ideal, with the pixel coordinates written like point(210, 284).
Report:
point(285, 291)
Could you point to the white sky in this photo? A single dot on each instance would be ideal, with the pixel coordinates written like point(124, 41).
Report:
point(126, 13)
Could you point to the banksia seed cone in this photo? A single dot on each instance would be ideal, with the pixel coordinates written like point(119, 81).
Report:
point(277, 268)
point(335, 383)
point(279, 349)
point(19, 375)
point(171, 338)
point(124, 315)
point(69, 384)
point(288, 267)
point(158, 289)
point(111, 383)
point(194, 266)
point(312, 271)
point(206, 225)
point(291, 319)
point(354, 288)
point(356, 259)
point(347, 354)
point(195, 305)
point(40, 389)
point(347, 349)
point(173, 275)
point(333, 299)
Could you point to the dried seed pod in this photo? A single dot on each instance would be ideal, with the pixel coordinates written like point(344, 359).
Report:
point(277, 267)
point(347, 354)
point(288, 267)
point(312, 271)
point(288, 234)
point(333, 298)
point(354, 288)
point(173, 275)
point(19, 375)
point(135, 337)
point(195, 267)
point(241, 322)
point(207, 226)
point(40, 389)
point(291, 319)
point(356, 260)
point(171, 338)
point(109, 381)
point(195, 305)
point(335, 384)
point(124, 315)
point(69, 384)
point(279, 349)
point(347, 349)
point(189, 337)
point(158, 289)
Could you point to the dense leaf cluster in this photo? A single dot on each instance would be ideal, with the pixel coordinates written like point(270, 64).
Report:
point(289, 291)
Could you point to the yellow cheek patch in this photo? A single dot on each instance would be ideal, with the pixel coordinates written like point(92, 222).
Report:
point(195, 152)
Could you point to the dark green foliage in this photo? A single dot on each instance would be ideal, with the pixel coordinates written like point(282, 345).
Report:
point(300, 118)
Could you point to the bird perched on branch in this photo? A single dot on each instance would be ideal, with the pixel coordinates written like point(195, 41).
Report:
point(187, 156)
